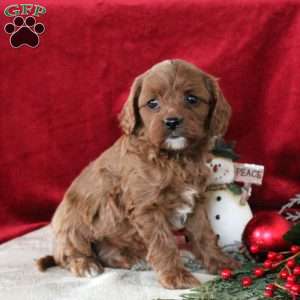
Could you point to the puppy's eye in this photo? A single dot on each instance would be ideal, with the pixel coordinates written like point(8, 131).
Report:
point(153, 104)
point(191, 99)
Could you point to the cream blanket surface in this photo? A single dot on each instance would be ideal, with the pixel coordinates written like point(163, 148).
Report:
point(20, 279)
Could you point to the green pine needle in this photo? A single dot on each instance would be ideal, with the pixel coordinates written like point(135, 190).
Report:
point(219, 289)
point(293, 235)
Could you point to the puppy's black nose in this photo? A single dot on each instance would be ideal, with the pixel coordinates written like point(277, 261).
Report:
point(173, 123)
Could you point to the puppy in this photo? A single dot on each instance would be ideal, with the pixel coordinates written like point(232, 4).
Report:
point(124, 205)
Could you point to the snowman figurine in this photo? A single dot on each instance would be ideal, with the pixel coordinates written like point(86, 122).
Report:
point(227, 206)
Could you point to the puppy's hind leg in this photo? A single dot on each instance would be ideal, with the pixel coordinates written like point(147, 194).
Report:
point(116, 256)
point(74, 252)
point(77, 223)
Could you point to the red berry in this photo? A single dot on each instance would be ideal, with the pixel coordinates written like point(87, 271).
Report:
point(268, 264)
point(279, 257)
point(288, 285)
point(284, 274)
point(246, 281)
point(268, 294)
point(295, 289)
point(291, 278)
point(254, 249)
point(295, 249)
point(226, 274)
point(270, 287)
point(258, 272)
point(274, 265)
point(272, 255)
point(296, 271)
point(291, 263)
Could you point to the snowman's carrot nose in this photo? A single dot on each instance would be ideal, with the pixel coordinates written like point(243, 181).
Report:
point(215, 168)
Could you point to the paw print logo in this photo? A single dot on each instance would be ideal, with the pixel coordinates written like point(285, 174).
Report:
point(24, 32)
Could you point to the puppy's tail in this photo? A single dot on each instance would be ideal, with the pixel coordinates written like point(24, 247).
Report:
point(45, 263)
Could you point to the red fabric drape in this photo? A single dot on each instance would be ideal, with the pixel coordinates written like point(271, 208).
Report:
point(59, 101)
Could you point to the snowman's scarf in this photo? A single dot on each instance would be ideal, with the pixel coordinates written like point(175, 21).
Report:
point(233, 187)
point(216, 187)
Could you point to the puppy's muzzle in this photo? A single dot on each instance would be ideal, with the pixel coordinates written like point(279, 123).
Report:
point(173, 123)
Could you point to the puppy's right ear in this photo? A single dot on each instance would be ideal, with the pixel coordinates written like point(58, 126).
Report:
point(129, 116)
point(220, 109)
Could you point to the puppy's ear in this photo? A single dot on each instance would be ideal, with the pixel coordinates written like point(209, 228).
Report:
point(129, 116)
point(220, 110)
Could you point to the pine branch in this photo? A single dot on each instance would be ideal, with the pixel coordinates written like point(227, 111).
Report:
point(219, 289)
point(294, 217)
point(232, 289)
point(291, 203)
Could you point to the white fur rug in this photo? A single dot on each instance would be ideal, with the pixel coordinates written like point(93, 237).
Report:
point(20, 280)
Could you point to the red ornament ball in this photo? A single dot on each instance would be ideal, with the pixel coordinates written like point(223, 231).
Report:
point(266, 230)
point(254, 249)
point(246, 281)
point(296, 271)
point(226, 274)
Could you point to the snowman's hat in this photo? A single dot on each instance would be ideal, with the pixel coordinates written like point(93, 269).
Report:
point(225, 150)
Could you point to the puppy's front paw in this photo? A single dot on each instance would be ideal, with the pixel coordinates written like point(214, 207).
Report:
point(179, 279)
point(85, 267)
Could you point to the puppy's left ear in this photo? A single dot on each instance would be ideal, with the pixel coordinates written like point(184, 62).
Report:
point(220, 110)
point(129, 116)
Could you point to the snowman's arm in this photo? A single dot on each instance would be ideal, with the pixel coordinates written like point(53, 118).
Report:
point(204, 241)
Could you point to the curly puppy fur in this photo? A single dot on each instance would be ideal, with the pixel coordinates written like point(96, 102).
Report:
point(125, 204)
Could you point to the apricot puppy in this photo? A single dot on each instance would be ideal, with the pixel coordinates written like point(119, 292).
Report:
point(125, 204)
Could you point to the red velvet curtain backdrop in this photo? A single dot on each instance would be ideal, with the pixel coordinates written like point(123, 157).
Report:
point(59, 101)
